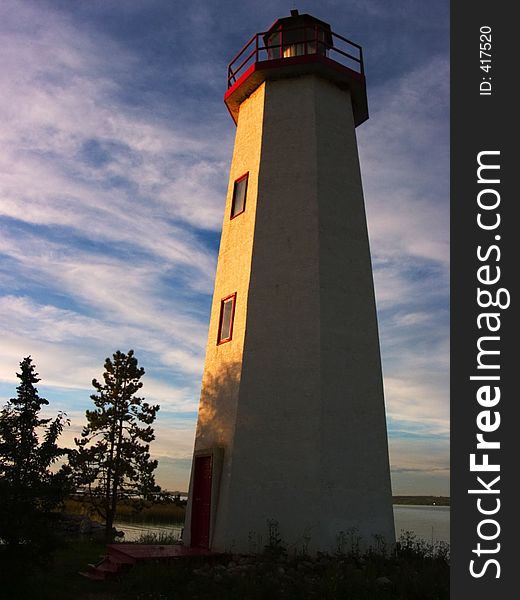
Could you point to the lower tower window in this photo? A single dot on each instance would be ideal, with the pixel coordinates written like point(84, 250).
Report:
point(227, 314)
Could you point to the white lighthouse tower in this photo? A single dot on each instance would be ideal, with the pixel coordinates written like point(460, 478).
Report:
point(291, 426)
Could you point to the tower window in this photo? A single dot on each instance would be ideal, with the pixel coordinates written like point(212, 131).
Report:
point(238, 205)
point(227, 314)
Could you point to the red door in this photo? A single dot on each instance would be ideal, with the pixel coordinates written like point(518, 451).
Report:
point(201, 505)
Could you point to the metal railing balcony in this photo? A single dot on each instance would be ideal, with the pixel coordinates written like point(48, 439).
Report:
point(308, 40)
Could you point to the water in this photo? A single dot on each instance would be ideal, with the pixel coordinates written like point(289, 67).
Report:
point(426, 522)
point(133, 531)
point(421, 520)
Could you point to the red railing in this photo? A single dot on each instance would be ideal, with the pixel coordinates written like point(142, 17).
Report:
point(315, 40)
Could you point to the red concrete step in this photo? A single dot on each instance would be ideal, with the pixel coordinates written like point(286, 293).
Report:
point(123, 556)
point(139, 552)
point(120, 556)
point(103, 569)
point(105, 566)
point(93, 575)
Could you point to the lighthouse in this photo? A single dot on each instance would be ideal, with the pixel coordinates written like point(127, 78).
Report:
point(291, 430)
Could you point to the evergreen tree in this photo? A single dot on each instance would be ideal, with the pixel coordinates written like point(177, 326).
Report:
point(112, 458)
point(29, 490)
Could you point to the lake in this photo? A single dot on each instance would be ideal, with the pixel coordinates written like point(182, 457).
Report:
point(133, 531)
point(427, 522)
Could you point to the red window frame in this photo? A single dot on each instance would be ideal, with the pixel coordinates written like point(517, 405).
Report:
point(242, 177)
point(232, 297)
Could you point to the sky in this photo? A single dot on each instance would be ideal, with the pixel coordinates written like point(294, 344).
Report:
point(116, 146)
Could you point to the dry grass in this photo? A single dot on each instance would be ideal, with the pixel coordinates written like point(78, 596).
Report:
point(156, 513)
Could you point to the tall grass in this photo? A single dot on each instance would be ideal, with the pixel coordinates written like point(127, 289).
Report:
point(413, 570)
point(162, 538)
point(156, 513)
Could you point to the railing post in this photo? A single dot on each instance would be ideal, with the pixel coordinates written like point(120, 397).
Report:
point(257, 58)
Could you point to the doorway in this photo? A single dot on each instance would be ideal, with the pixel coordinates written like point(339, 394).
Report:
point(201, 506)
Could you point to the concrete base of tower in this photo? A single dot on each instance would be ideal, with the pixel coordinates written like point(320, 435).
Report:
point(308, 536)
point(265, 511)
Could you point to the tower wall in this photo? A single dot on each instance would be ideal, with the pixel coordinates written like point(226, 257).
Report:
point(302, 423)
point(223, 363)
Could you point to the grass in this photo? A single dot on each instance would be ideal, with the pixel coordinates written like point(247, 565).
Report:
point(156, 513)
point(415, 571)
point(161, 538)
point(57, 578)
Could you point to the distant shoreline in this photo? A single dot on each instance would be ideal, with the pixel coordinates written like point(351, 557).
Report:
point(422, 500)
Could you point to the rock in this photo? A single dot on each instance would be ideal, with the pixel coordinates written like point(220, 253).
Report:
point(85, 525)
point(117, 533)
point(383, 581)
point(242, 568)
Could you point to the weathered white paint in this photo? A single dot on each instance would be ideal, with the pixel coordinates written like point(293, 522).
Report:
point(295, 400)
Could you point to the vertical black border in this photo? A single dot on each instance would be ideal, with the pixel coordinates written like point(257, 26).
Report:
point(480, 123)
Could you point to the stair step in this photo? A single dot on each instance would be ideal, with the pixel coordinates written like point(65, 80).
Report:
point(122, 560)
point(120, 557)
point(106, 566)
point(96, 576)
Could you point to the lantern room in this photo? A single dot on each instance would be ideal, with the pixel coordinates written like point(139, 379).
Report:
point(298, 35)
point(294, 46)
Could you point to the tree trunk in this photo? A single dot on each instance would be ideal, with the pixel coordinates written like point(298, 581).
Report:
point(109, 526)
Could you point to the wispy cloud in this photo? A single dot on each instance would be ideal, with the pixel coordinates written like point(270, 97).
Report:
point(102, 244)
point(407, 205)
point(112, 182)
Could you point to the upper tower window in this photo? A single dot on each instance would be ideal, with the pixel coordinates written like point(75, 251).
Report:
point(238, 204)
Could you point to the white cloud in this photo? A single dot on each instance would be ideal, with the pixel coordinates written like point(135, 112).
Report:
point(418, 404)
point(404, 161)
point(404, 157)
point(105, 204)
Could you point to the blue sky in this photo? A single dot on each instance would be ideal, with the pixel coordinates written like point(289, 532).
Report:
point(113, 174)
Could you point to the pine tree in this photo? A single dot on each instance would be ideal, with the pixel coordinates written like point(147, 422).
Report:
point(29, 489)
point(112, 458)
